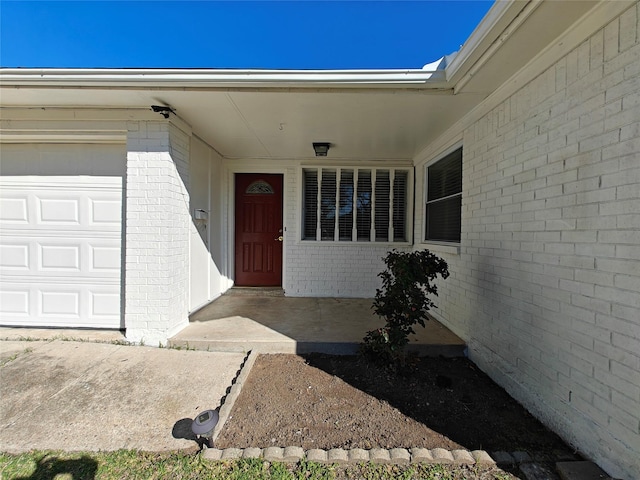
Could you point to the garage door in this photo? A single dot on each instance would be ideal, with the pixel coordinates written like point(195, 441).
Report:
point(61, 250)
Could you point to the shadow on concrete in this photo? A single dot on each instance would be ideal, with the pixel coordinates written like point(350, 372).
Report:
point(182, 429)
point(48, 468)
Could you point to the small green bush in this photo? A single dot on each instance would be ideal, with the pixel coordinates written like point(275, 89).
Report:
point(403, 301)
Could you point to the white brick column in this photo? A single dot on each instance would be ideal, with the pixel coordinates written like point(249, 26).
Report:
point(156, 232)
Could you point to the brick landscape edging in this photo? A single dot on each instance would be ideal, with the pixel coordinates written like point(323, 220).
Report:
point(232, 394)
point(398, 456)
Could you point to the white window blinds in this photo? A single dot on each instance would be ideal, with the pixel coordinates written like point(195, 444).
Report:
point(444, 199)
point(355, 204)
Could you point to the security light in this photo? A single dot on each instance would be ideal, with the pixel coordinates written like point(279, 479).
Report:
point(163, 110)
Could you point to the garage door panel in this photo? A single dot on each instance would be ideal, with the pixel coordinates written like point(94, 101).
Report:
point(13, 210)
point(105, 212)
point(58, 257)
point(54, 258)
point(61, 251)
point(104, 304)
point(105, 258)
point(15, 303)
point(61, 305)
point(14, 256)
point(56, 211)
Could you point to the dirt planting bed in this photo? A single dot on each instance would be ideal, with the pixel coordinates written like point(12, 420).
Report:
point(325, 401)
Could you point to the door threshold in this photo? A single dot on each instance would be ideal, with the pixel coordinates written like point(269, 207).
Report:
point(255, 291)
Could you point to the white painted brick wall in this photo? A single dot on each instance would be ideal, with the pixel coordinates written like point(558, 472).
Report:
point(333, 271)
point(336, 269)
point(546, 288)
point(157, 231)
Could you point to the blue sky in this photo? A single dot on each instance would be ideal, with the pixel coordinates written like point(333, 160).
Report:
point(236, 34)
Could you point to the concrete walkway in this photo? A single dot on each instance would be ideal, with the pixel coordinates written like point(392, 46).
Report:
point(81, 396)
point(244, 320)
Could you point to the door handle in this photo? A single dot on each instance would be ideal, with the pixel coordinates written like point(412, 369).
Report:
point(279, 239)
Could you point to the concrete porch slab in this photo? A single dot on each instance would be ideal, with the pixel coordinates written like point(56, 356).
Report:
point(273, 324)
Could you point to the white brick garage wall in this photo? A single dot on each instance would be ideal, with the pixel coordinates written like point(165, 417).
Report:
point(546, 289)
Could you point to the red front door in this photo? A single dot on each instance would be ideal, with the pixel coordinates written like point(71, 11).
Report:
point(258, 229)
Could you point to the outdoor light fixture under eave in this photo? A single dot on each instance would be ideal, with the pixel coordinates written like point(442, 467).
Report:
point(321, 148)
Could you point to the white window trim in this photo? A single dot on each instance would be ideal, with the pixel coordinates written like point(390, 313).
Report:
point(409, 224)
point(442, 247)
point(434, 245)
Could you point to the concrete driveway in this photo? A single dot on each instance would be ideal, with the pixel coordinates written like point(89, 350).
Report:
point(90, 396)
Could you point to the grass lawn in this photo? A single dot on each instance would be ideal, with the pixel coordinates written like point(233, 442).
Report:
point(127, 464)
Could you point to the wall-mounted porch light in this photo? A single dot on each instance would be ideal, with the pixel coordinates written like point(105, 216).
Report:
point(321, 148)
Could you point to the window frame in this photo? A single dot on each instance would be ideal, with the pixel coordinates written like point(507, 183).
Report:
point(409, 199)
point(425, 191)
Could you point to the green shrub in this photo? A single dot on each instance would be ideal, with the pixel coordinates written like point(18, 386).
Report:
point(403, 300)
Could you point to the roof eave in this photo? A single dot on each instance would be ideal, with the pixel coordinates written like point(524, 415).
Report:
point(499, 16)
point(185, 78)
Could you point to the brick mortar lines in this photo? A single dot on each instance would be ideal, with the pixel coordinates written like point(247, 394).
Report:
point(397, 456)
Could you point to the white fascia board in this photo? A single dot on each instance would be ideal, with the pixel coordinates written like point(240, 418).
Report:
point(434, 75)
point(216, 78)
point(493, 22)
point(63, 136)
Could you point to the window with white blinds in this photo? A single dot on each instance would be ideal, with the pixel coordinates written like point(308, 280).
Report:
point(355, 204)
point(444, 199)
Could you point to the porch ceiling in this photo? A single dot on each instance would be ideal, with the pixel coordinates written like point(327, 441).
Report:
point(283, 124)
point(280, 119)
point(268, 124)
